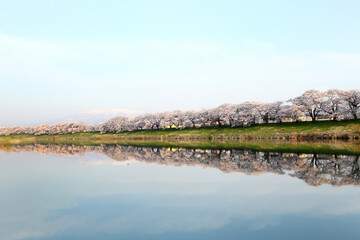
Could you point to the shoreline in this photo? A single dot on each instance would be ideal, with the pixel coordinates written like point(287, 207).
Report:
point(298, 131)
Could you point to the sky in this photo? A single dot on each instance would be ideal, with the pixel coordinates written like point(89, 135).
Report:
point(92, 60)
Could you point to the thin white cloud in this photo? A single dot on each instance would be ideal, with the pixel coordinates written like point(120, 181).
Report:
point(119, 111)
point(154, 76)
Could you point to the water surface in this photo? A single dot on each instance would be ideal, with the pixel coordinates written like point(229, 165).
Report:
point(124, 192)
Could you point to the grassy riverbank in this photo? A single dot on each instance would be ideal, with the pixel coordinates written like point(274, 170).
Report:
point(339, 147)
point(349, 129)
point(306, 137)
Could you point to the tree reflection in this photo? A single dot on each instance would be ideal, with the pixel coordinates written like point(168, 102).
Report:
point(314, 169)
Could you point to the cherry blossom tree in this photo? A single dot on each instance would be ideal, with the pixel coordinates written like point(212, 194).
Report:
point(333, 104)
point(311, 102)
point(191, 118)
point(293, 112)
point(352, 98)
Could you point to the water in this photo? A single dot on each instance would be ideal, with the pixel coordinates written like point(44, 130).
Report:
point(120, 192)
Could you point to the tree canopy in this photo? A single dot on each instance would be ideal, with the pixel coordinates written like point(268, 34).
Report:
point(312, 105)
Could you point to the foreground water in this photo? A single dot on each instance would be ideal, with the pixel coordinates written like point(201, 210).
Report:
point(124, 192)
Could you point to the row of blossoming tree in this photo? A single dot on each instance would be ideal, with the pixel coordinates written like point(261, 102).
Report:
point(312, 105)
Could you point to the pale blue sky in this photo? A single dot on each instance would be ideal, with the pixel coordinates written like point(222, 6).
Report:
point(72, 58)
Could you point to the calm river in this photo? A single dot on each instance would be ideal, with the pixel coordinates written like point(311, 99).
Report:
point(123, 192)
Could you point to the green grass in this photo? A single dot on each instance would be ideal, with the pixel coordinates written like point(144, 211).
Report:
point(261, 138)
point(318, 147)
point(350, 126)
point(347, 129)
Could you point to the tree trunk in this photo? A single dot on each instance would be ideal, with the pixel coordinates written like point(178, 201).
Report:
point(266, 118)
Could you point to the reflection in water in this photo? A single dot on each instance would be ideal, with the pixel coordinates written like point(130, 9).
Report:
point(314, 169)
point(50, 197)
